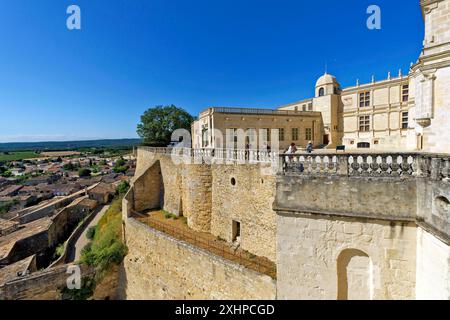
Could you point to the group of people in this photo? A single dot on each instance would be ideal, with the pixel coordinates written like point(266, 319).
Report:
point(293, 148)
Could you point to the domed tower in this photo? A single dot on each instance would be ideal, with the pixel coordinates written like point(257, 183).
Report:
point(327, 101)
point(327, 84)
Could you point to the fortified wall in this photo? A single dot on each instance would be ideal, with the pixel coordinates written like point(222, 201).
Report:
point(210, 197)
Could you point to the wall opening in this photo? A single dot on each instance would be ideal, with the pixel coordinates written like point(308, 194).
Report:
point(363, 145)
point(233, 181)
point(236, 231)
point(355, 275)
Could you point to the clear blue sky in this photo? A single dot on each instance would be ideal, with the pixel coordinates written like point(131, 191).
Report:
point(57, 84)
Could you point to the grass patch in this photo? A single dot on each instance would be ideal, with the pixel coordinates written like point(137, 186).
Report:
point(106, 248)
point(17, 156)
point(169, 215)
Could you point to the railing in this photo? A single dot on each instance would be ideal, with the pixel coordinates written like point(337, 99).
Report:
point(214, 246)
point(398, 164)
point(253, 111)
point(210, 155)
point(384, 165)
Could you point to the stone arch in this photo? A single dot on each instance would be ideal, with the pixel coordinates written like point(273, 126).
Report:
point(354, 275)
point(442, 207)
point(321, 92)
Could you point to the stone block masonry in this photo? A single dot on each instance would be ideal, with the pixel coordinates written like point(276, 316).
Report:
point(160, 267)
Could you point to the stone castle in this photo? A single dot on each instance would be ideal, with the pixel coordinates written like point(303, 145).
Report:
point(372, 222)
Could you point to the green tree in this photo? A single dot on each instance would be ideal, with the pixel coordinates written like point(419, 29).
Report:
point(84, 172)
point(69, 166)
point(122, 188)
point(158, 123)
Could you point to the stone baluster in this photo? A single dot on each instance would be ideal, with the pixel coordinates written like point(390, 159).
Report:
point(342, 165)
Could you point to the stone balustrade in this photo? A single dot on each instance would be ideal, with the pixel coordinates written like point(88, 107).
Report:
point(368, 164)
point(209, 155)
point(401, 164)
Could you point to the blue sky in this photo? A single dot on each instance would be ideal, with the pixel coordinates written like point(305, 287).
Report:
point(130, 55)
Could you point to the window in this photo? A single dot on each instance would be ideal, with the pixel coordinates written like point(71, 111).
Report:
point(233, 181)
point(266, 132)
point(235, 136)
point(321, 92)
point(364, 123)
point(308, 134)
point(310, 106)
point(294, 134)
point(364, 99)
point(236, 230)
point(281, 134)
point(404, 120)
point(304, 107)
point(405, 92)
point(363, 145)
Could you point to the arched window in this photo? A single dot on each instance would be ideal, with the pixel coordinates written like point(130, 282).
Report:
point(321, 92)
point(354, 273)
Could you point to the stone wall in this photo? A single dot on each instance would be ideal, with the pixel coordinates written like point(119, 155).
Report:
point(160, 267)
point(203, 193)
point(308, 254)
point(197, 196)
point(433, 267)
point(43, 285)
point(249, 201)
point(354, 196)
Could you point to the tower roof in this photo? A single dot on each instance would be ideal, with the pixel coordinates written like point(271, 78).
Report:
point(326, 79)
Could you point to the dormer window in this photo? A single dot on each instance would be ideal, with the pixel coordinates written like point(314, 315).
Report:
point(321, 92)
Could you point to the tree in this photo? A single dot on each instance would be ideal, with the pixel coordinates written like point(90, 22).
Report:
point(69, 166)
point(158, 123)
point(84, 172)
point(122, 188)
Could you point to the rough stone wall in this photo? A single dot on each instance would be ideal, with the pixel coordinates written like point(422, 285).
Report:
point(172, 181)
point(433, 267)
point(197, 198)
point(249, 202)
point(309, 246)
point(160, 267)
point(148, 188)
point(44, 285)
point(204, 195)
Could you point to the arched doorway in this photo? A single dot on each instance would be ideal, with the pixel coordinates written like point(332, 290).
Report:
point(354, 273)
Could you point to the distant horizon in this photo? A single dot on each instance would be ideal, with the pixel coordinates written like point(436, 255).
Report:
point(66, 141)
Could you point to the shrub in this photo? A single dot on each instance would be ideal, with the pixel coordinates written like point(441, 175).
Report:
point(91, 232)
point(122, 188)
point(87, 290)
point(84, 172)
point(106, 247)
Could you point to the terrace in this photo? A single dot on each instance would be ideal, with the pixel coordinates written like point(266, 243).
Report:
point(178, 229)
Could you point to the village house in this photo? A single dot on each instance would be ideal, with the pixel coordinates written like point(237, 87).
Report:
point(11, 191)
point(102, 193)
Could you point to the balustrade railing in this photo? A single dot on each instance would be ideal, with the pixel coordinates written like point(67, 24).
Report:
point(210, 155)
point(404, 164)
point(369, 164)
